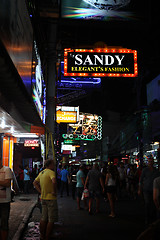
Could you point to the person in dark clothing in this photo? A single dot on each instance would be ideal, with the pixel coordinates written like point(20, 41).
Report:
point(20, 179)
point(73, 181)
point(146, 186)
point(95, 184)
point(64, 180)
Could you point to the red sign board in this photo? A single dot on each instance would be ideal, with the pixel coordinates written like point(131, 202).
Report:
point(66, 152)
point(101, 62)
point(31, 143)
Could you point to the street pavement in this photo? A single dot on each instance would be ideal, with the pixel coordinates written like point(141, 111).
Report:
point(78, 224)
point(127, 225)
point(20, 212)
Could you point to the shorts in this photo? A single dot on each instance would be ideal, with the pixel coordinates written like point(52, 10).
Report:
point(94, 194)
point(49, 211)
point(4, 216)
point(79, 191)
point(110, 189)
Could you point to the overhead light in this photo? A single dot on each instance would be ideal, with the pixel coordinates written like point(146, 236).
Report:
point(3, 124)
point(25, 135)
point(12, 129)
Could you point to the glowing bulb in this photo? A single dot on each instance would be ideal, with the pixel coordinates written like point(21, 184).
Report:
point(3, 124)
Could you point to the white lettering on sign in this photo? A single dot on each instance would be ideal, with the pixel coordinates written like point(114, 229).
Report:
point(31, 143)
point(95, 60)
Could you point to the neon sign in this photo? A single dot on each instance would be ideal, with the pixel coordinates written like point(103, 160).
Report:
point(76, 82)
point(37, 83)
point(66, 116)
point(79, 137)
point(102, 62)
point(88, 128)
point(31, 143)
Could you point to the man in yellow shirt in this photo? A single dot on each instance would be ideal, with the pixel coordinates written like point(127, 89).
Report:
point(45, 184)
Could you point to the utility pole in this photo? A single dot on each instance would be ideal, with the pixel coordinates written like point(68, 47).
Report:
point(51, 90)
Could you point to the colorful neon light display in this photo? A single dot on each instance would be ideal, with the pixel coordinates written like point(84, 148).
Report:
point(102, 62)
point(101, 10)
point(38, 85)
point(88, 128)
point(76, 82)
point(79, 137)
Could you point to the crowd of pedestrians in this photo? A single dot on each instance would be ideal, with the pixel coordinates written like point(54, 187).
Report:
point(114, 183)
point(86, 184)
point(25, 177)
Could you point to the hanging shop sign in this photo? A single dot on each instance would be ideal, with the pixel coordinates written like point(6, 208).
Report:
point(31, 143)
point(102, 62)
point(66, 117)
point(88, 128)
point(38, 85)
point(69, 142)
point(67, 114)
point(79, 137)
point(74, 83)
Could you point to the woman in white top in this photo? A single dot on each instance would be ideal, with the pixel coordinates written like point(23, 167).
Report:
point(110, 185)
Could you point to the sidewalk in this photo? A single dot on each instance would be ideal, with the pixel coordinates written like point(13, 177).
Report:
point(21, 209)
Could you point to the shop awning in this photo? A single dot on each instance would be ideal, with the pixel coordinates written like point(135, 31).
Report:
point(14, 98)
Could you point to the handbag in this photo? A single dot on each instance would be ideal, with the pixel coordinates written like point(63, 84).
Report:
point(85, 194)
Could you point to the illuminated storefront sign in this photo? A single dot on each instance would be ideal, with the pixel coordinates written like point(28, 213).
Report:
point(67, 114)
point(70, 142)
point(79, 137)
point(38, 86)
point(88, 128)
point(102, 62)
point(31, 143)
point(77, 82)
point(66, 117)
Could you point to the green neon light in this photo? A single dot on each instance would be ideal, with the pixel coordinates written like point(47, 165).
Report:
point(78, 138)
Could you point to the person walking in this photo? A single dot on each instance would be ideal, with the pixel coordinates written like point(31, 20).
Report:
point(5, 198)
point(64, 180)
point(58, 177)
point(156, 195)
point(21, 179)
point(46, 185)
point(73, 180)
point(122, 180)
point(80, 187)
point(26, 179)
point(95, 184)
point(132, 181)
point(146, 187)
point(110, 186)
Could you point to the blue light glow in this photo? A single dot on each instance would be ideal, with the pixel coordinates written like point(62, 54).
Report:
point(77, 82)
